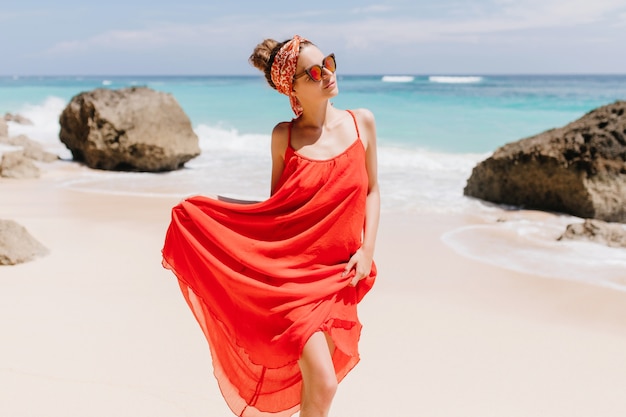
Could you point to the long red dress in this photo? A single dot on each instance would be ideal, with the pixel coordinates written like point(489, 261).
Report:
point(262, 278)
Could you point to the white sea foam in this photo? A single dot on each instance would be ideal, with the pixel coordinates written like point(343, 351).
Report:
point(107, 82)
point(529, 244)
point(398, 78)
point(45, 127)
point(424, 181)
point(454, 79)
point(213, 138)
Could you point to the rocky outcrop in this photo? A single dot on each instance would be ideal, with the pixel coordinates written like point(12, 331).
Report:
point(597, 231)
point(578, 169)
point(17, 118)
point(33, 150)
point(132, 129)
point(17, 245)
point(17, 165)
point(4, 129)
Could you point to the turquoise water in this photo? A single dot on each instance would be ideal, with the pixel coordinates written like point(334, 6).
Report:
point(454, 114)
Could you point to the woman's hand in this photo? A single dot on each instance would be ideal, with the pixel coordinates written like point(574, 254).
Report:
point(361, 262)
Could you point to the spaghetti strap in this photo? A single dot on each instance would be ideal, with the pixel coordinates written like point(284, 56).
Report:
point(356, 125)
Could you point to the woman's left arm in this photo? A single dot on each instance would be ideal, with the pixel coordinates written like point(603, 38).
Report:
point(362, 260)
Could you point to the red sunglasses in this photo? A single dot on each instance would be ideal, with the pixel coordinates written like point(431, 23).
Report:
point(316, 72)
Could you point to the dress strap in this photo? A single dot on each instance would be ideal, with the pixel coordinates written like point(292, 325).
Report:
point(358, 135)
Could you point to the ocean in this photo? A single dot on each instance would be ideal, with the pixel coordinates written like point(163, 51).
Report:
point(432, 130)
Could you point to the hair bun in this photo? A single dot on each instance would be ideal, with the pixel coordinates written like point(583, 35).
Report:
point(262, 54)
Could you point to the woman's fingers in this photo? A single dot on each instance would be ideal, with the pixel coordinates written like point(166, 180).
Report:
point(360, 272)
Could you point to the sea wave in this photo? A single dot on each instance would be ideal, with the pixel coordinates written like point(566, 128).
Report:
point(45, 124)
point(454, 79)
point(528, 243)
point(398, 78)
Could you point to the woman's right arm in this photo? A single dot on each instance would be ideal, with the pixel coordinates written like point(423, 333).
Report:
point(280, 140)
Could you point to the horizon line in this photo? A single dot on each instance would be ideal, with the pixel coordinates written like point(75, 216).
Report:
point(430, 74)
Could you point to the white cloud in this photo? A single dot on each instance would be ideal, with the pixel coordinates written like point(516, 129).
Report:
point(361, 30)
point(481, 23)
point(160, 36)
point(561, 12)
point(117, 39)
point(621, 19)
point(375, 8)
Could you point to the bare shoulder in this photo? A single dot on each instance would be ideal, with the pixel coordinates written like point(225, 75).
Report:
point(281, 127)
point(281, 130)
point(280, 138)
point(367, 126)
point(364, 116)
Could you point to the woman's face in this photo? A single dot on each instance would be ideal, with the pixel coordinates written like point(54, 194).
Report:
point(304, 86)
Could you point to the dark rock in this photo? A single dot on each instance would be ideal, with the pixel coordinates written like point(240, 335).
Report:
point(578, 169)
point(609, 234)
point(16, 165)
point(132, 129)
point(17, 245)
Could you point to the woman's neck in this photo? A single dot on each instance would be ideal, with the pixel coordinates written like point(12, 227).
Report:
point(317, 116)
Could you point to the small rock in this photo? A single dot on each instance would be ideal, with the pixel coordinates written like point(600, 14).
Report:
point(32, 149)
point(16, 165)
point(597, 231)
point(17, 245)
point(17, 118)
point(4, 129)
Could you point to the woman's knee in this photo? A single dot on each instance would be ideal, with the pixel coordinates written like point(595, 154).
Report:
point(328, 387)
point(318, 393)
point(317, 367)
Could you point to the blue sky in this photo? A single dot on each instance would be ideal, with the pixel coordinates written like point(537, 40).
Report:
point(70, 37)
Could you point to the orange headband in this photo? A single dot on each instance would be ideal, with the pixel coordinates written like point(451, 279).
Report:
point(284, 68)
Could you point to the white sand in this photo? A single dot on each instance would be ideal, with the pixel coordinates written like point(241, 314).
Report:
point(99, 328)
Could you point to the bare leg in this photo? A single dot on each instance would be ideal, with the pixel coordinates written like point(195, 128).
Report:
point(319, 382)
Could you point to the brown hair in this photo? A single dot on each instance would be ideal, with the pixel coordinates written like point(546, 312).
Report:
point(263, 56)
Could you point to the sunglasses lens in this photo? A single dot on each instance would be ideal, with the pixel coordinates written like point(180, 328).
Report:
point(330, 64)
point(315, 72)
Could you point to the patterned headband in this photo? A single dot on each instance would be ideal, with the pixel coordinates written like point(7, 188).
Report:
point(284, 69)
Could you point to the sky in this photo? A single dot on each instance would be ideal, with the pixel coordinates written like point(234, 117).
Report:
point(396, 37)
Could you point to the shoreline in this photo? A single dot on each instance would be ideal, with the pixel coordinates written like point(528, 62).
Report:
point(97, 327)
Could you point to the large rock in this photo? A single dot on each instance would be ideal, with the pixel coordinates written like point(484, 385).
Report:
point(133, 129)
point(578, 169)
point(17, 245)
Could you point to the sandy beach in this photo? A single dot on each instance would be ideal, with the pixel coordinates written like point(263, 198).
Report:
point(98, 328)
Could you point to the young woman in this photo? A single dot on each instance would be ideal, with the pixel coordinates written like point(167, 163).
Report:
point(275, 284)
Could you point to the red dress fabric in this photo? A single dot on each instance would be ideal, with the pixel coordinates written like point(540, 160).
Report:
point(262, 278)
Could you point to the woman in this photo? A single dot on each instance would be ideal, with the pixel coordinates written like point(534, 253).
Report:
point(275, 284)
